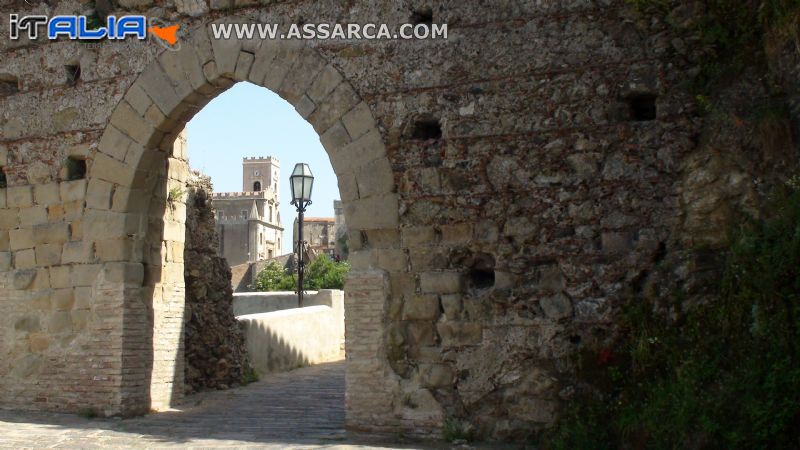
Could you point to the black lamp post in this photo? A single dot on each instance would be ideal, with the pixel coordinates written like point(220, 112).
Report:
point(301, 181)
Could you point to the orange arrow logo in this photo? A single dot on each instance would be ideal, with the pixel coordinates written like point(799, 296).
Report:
point(168, 34)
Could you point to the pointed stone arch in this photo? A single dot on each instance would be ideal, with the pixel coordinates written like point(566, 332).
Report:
point(136, 164)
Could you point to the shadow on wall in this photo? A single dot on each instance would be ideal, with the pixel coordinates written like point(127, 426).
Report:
point(290, 338)
point(276, 355)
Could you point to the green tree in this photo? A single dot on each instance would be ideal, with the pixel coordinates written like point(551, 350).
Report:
point(323, 273)
point(274, 278)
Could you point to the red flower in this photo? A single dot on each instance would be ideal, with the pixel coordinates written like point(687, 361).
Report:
point(604, 356)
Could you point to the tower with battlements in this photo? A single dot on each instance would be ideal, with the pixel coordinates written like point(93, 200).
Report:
point(248, 221)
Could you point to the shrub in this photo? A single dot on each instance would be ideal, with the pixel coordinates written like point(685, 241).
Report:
point(321, 273)
point(721, 375)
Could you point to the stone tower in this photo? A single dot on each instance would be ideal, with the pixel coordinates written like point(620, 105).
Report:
point(259, 174)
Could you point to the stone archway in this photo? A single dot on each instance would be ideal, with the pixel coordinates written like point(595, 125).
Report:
point(133, 172)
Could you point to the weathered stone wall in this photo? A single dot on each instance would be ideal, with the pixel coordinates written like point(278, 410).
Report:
point(216, 356)
point(504, 189)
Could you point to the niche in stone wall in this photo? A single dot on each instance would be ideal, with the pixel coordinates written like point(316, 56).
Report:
point(9, 84)
point(481, 274)
point(73, 72)
point(641, 107)
point(422, 16)
point(425, 127)
point(74, 168)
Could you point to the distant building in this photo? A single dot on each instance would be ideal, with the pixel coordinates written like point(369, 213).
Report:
point(248, 222)
point(340, 230)
point(319, 233)
point(323, 234)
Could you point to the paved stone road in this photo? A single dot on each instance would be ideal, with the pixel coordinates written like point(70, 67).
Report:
point(299, 409)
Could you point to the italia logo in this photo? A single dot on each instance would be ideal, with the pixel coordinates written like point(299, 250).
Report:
point(77, 27)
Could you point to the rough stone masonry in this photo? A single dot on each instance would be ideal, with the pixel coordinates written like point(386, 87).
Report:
point(504, 189)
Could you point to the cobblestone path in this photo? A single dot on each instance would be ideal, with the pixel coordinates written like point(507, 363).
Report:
point(303, 408)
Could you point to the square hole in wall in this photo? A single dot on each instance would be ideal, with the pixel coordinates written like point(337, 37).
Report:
point(73, 72)
point(422, 16)
point(426, 128)
point(3, 181)
point(9, 84)
point(641, 107)
point(76, 168)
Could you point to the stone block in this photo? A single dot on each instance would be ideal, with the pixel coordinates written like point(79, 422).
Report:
point(5, 261)
point(77, 252)
point(373, 212)
point(159, 87)
point(333, 139)
point(28, 324)
point(375, 178)
point(38, 342)
point(114, 249)
point(440, 282)
point(63, 299)
point(59, 322)
point(366, 148)
point(59, 277)
point(84, 274)
point(73, 210)
point(392, 260)
point(9, 218)
point(110, 169)
point(73, 191)
point(414, 236)
point(50, 233)
point(19, 196)
point(83, 297)
point(25, 259)
point(456, 334)
point(80, 318)
point(557, 306)
point(326, 81)
point(46, 194)
point(98, 194)
point(21, 239)
point(23, 278)
point(114, 143)
point(243, 65)
point(48, 254)
point(421, 307)
point(420, 333)
point(33, 215)
point(550, 279)
point(456, 234)
point(436, 375)
point(341, 100)
point(226, 53)
point(26, 366)
point(451, 306)
point(124, 272)
point(304, 106)
point(617, 243)
point(358, 121)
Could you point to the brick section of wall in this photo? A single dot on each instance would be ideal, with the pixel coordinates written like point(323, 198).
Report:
point(368, 394)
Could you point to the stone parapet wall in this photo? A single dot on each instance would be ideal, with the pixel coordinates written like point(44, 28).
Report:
point(288, 338)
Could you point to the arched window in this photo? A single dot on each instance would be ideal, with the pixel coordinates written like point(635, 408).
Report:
point(270, 213)
point(257, 186)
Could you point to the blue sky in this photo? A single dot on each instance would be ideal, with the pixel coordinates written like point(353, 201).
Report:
point(248, 120)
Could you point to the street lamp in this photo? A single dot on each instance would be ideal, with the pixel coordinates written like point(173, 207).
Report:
point(301, 181)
